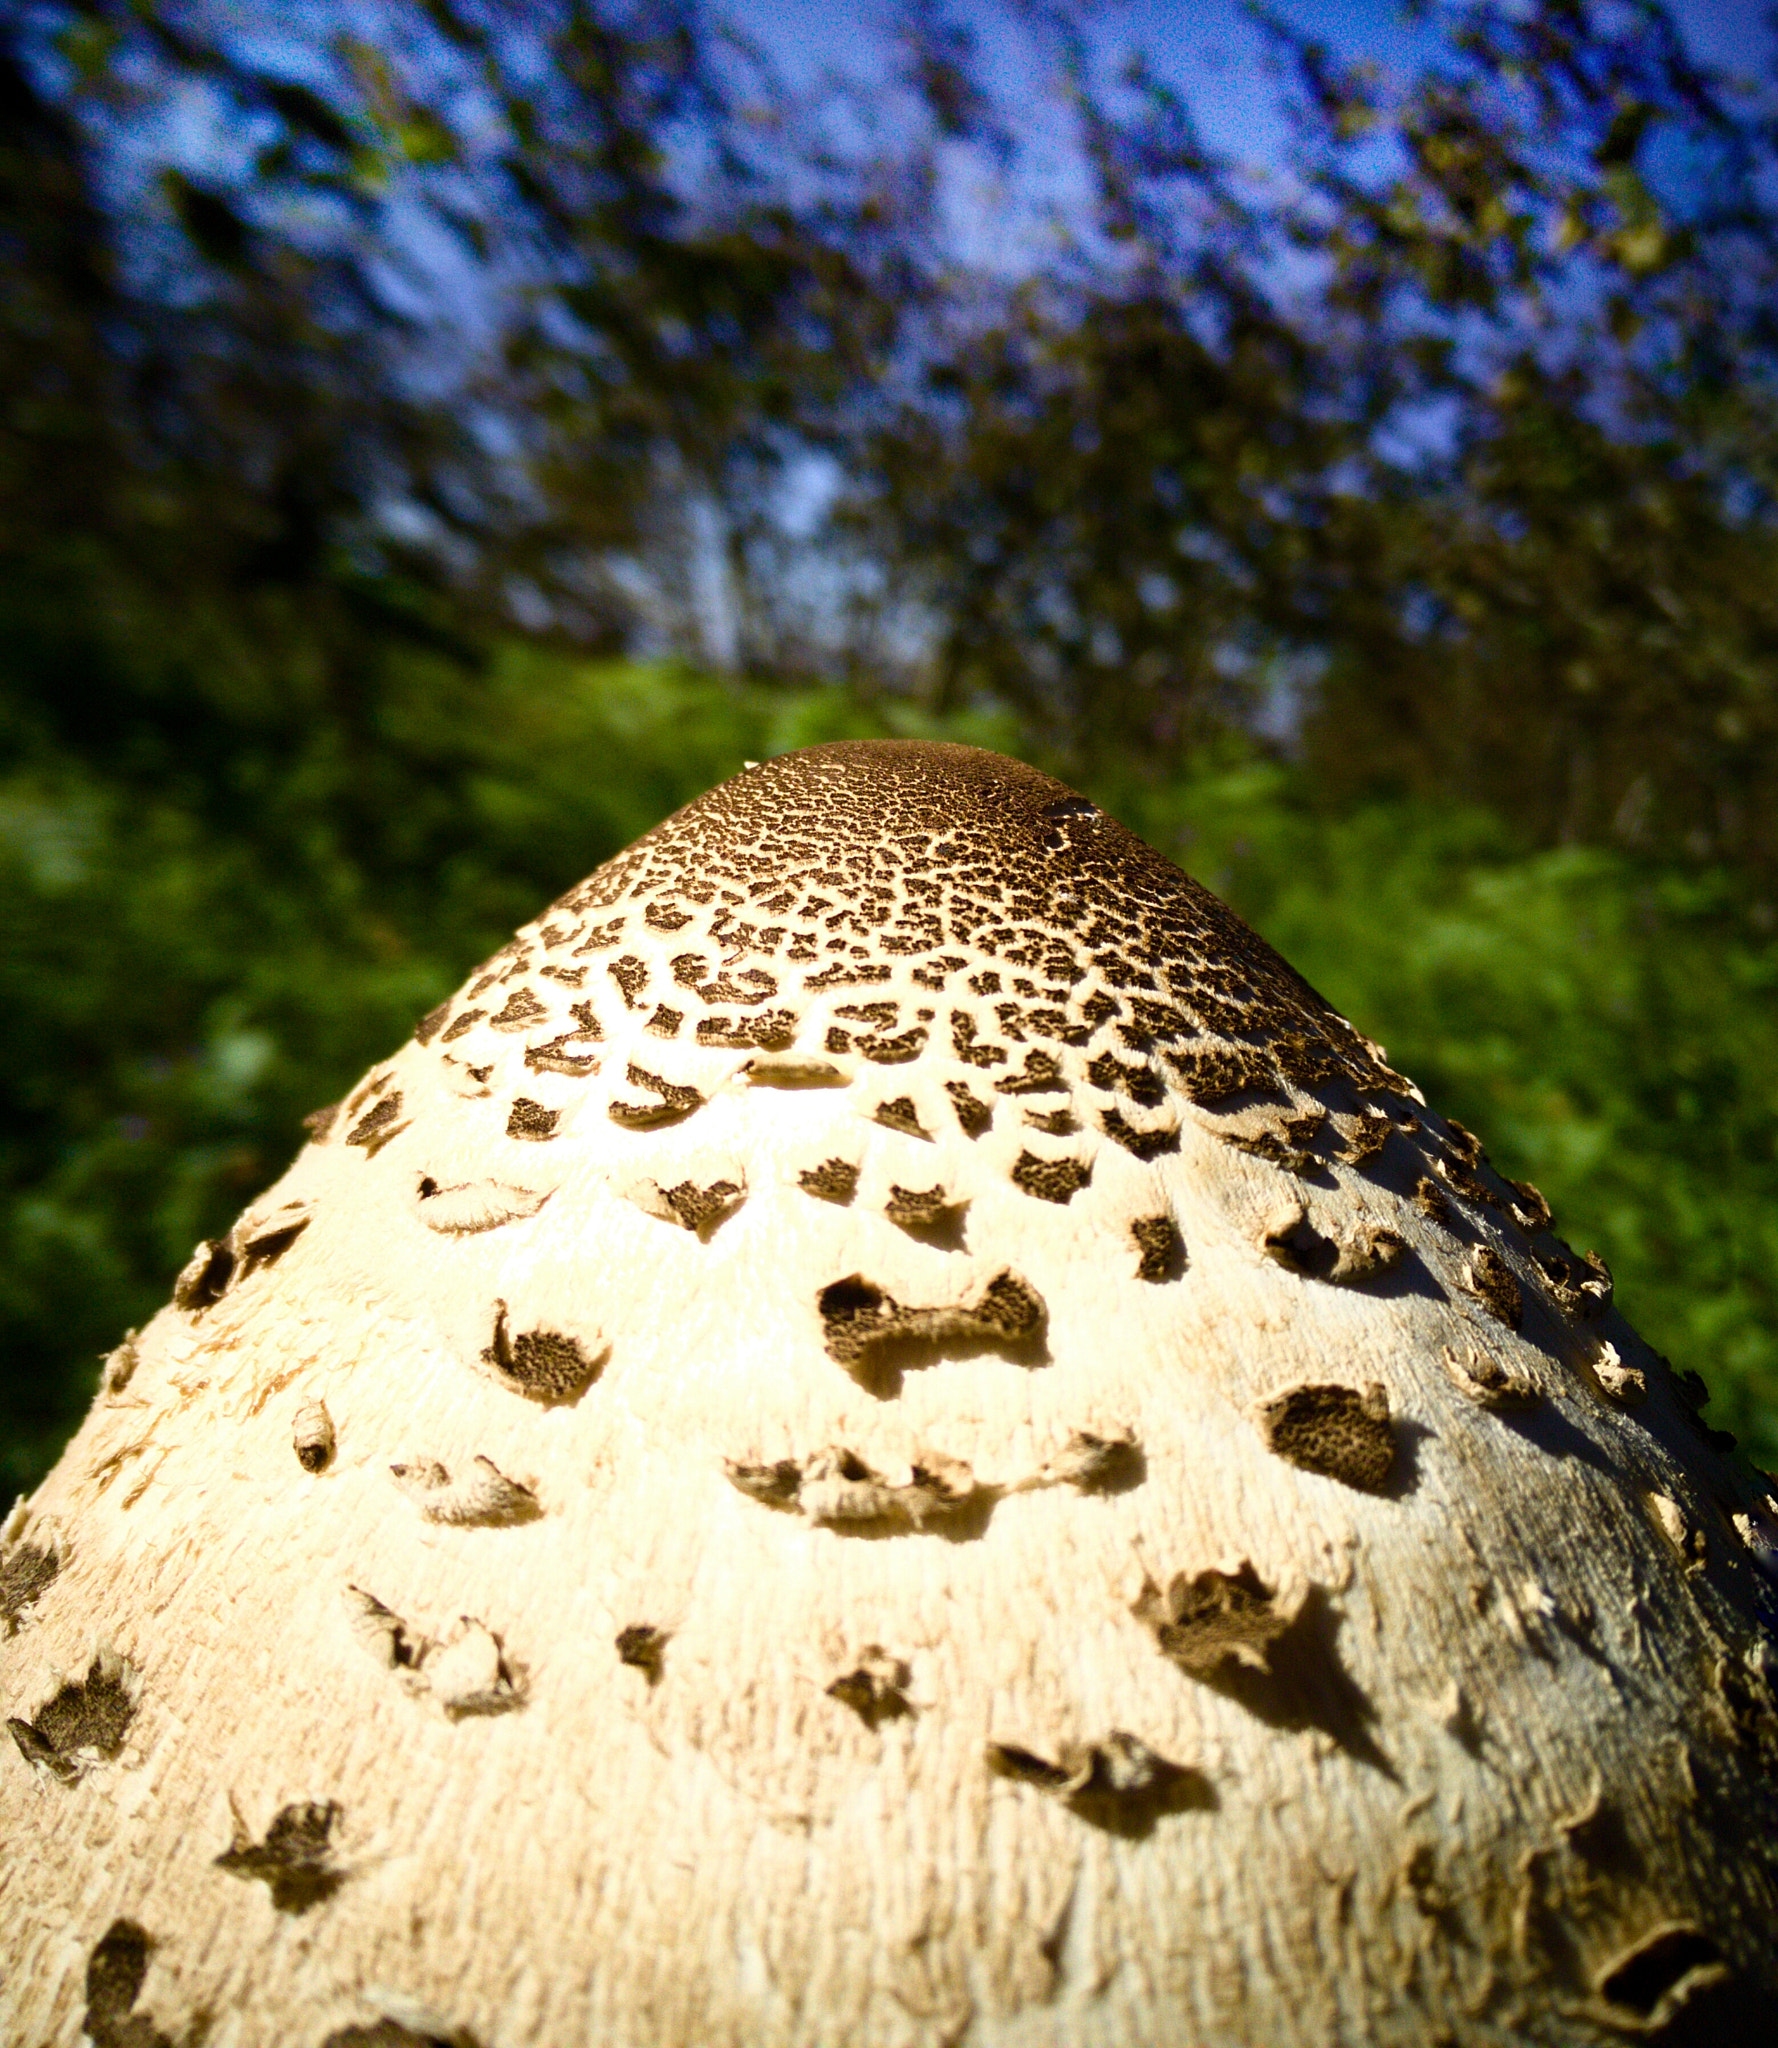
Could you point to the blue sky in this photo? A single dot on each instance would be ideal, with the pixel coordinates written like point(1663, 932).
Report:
point(1209, 49)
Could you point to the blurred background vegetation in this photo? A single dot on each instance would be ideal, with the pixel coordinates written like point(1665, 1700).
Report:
point(437, 440)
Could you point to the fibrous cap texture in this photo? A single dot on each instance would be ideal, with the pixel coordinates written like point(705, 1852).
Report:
point(887, 1432)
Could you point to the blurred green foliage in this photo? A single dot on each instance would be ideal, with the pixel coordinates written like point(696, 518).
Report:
point(1394, 541)
point(177, 991)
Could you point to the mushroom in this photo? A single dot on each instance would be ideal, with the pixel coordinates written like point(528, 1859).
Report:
point(1208, 1593)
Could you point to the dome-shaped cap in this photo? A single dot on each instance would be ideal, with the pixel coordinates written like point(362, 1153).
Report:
point(887, 1432)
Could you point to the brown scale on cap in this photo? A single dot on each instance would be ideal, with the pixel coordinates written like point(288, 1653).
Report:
point(294, 1861)
point(25, 1574)
point(85, 1718)
point(1339, 1432)
point(844, 885)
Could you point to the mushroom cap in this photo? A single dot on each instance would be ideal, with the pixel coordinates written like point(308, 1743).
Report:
point(886, 1431)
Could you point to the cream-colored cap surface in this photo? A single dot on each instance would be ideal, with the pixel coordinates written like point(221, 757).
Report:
point(887, 1433)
